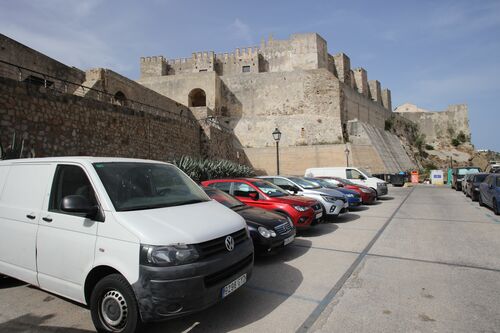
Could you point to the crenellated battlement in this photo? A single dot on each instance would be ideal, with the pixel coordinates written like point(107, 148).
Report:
point(299, 52)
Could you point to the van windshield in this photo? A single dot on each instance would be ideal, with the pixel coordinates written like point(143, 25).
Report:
point(138, 186)
point(465, 171)
point(366, 172)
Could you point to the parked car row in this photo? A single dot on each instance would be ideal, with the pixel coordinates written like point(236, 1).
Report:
point(481, 187)
point(139, 241)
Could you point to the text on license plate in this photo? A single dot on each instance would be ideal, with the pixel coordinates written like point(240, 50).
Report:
point(234, 285)
point(319, 215)
point(288, 240)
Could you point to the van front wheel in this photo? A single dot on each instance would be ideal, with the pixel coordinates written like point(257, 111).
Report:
point(113, 306)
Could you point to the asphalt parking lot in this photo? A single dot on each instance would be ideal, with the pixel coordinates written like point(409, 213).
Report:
point(424, 259)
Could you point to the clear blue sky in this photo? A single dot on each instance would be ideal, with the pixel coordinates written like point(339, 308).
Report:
point(430, 53)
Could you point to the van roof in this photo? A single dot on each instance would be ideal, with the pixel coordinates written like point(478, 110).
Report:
point(85, 159)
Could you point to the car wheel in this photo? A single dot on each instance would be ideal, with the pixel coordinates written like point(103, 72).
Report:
point(480, 199)
point(495, 207)
point(474, 197)
point(376, 193)
point(113, 306)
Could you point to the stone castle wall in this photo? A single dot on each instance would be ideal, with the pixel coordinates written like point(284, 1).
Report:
point(59, 125)
point(21, 55)
point(439, 127)
point(304, 105)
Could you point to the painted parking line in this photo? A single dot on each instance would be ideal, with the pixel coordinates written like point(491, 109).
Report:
point(279, 293)
point(313, 317)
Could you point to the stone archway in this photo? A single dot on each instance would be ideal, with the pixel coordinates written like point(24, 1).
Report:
point(197, 97)
point(120, 98)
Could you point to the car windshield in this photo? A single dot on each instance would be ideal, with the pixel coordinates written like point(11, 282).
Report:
point(270, 189)
point(480, 178)
point(137, 186)
point(465, 171)
point(304, 183)
point(320, 182)
point(367, 173)
point(222, 197)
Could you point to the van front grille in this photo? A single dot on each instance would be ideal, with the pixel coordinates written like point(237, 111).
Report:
point(213, 279)
point(218, 245)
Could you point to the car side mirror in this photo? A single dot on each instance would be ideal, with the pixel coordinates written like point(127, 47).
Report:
point(254, 195)
point(340, 185)
point(295, 189)
point(80, 205)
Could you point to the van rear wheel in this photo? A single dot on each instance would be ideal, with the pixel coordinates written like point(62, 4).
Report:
point(113, 306)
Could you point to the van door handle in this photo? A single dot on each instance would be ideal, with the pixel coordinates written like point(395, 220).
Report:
point(31, 217)
point(47, 219)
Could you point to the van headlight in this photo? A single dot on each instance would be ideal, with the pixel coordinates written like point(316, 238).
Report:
point(171, 255)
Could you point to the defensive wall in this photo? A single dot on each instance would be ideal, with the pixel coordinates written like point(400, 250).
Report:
point(294, 85)
point(439, 127)
point(58, 110)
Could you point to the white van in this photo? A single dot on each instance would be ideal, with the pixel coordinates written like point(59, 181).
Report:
point(136, 240)
point(356, 175)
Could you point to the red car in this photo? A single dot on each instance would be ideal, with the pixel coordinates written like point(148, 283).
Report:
point(368, 195)
point(303, 211)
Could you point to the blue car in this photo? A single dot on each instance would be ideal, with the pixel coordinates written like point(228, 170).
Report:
point(353, 197)
point(489, 192)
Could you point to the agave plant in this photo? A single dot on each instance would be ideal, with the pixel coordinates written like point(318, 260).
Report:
point(200, 169)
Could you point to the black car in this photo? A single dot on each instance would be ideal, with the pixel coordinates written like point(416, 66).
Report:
point(472, 189)
point(269, 231)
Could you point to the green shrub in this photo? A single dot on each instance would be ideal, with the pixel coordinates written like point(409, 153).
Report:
point(200, 169)
point(429, 147)
point(455, 142)
point(388, 124)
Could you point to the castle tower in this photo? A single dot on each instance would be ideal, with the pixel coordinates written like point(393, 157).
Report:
point(153, 66)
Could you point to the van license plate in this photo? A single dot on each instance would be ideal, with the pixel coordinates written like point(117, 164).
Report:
point(288, 240)
point(234, 285)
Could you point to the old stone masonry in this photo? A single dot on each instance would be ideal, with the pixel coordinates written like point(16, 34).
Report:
point(222, 105)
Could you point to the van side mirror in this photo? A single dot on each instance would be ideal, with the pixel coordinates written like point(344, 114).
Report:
point(79, 204)
point(254, 195)
point(362, 177)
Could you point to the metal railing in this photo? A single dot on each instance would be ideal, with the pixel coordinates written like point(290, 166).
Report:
point(50, 84)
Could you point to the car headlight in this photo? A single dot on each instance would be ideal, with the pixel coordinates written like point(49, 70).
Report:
point(301, 208)
point(329, 198)
point(265, 232)
point(365, 190)
point(171, 255)
point(349, 195)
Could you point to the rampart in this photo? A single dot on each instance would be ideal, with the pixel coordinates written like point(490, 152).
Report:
point(439, 127)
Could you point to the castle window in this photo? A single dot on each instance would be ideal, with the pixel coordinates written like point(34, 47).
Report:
point(120, 98)
point(202, 70)
point(245, 69)
point(38, 81)
point(197, 97)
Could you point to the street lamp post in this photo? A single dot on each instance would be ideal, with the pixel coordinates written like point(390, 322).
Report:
point(347, 151)
point(277, 137)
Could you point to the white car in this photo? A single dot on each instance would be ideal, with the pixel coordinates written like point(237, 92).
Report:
point(135, 240)
point(356, 175)
point(334, 202)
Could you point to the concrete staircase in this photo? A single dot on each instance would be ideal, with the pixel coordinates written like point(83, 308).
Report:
point(386, 145)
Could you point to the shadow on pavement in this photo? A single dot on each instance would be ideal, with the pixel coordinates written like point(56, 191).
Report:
point(318, 230)
point(31, 323)
point(359, 208)
point(272, 283)
point(8, 282)
point(385, 198)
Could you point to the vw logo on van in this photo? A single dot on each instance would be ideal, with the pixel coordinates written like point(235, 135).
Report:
point(229, 243)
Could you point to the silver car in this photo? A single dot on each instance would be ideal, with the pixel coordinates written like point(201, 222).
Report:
point(334, 202)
